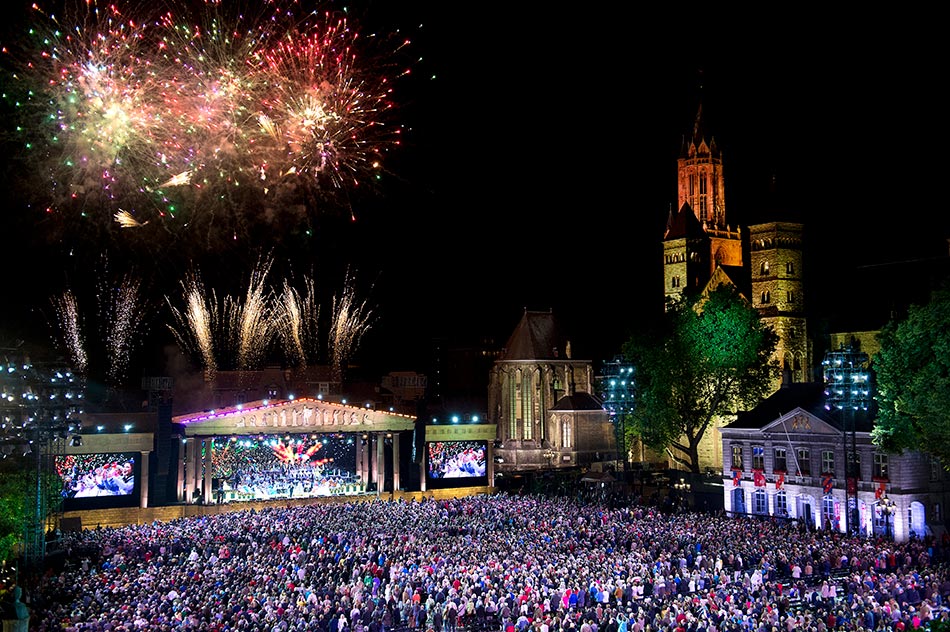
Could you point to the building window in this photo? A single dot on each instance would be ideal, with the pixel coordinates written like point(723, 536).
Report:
point(766, 297)
point(828, 461)
point(938, 513)
point(854, 463)
point(790, 296)
point(514, 387)
point(935, 469)
point(804, 462)
point(780, 465)
point(758, 457)
point(675, 282)
point(272, 392)
point(737, 456)
point(789, 268)
point(760, 502)
point(880, 465)
point(828, 520)
point(702, 194)
point(527, 407)
point(765, 267)
point(781, 504)
point(567, 434)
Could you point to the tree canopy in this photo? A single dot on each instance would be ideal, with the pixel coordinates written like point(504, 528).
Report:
point(707, 356)
point(912, 373)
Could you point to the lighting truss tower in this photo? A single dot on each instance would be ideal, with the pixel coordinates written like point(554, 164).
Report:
point(615, 387)
point(848, 390)
point(37, 408)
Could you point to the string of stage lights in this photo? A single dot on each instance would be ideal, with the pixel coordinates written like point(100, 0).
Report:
point(200, 113)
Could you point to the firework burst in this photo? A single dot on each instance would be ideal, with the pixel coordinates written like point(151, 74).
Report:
point(297, 317)
point(70, 328)
point(252, 319)
point(201, 116)
point(123, 312)
point(350, 320)
point(194, 325)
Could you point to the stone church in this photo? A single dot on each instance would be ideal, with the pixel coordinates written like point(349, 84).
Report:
point(702, 250)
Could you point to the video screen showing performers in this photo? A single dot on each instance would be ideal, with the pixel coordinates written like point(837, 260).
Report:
point(266, 467)
point(449, 461)
point(90, 476)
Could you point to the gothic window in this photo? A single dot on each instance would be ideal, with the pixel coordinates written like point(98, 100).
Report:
point(780, 465)
point(567, 436)
point(702, 195)
point(527, 407)
point(675, 282)
point(766, 297)
point(514, 388)
point(765, 267)
point(789, 268)
point(828, 461)
point(790, 296)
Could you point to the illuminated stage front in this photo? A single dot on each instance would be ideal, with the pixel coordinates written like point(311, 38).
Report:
point(296, 448)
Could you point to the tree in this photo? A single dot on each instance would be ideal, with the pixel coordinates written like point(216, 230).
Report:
point(912, 371)
point(706, 356)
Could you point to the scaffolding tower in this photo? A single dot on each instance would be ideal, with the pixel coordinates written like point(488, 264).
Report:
point(615, 387)
point(848, 391)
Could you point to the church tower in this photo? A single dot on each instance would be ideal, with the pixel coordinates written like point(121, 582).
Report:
point(778, 293)
point(698, 240)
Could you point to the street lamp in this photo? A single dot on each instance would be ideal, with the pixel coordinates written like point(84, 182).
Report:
point(888, 508)
point(682, 489)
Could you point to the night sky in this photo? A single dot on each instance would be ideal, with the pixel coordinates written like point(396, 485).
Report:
point(538, 167)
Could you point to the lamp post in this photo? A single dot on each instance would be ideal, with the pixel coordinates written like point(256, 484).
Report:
point(682, 489)
point(888, 507)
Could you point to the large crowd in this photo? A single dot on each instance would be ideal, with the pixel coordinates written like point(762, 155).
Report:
point(487, 563)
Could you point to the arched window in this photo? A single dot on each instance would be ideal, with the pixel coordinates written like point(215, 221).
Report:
point(766, 297)
point(765, 267)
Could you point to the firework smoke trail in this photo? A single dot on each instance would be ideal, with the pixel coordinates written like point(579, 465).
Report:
point(123, 313)
point(296, 318)
point(201, 114)
point(349, 321)
point(196, 324)
point(70, 325)
point(252, 320)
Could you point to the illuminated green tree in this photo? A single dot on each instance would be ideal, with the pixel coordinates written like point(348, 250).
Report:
point(706, 357)
point(15, 505)
point(912, 375)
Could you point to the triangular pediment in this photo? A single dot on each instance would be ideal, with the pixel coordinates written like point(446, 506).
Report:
point(800, 421)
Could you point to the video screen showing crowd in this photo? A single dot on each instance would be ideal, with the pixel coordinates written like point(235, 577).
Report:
point(96, 475)
point(457, 459)
point(271, 467)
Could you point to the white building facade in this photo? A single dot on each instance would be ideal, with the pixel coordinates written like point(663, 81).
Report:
point(791, 465)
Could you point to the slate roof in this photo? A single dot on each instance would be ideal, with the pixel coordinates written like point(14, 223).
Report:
point(537, 337)
point(578, 401)
point(683, 223)
point(809, 396)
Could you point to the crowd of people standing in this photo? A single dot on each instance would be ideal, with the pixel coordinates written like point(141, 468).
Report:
point(492, 563)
